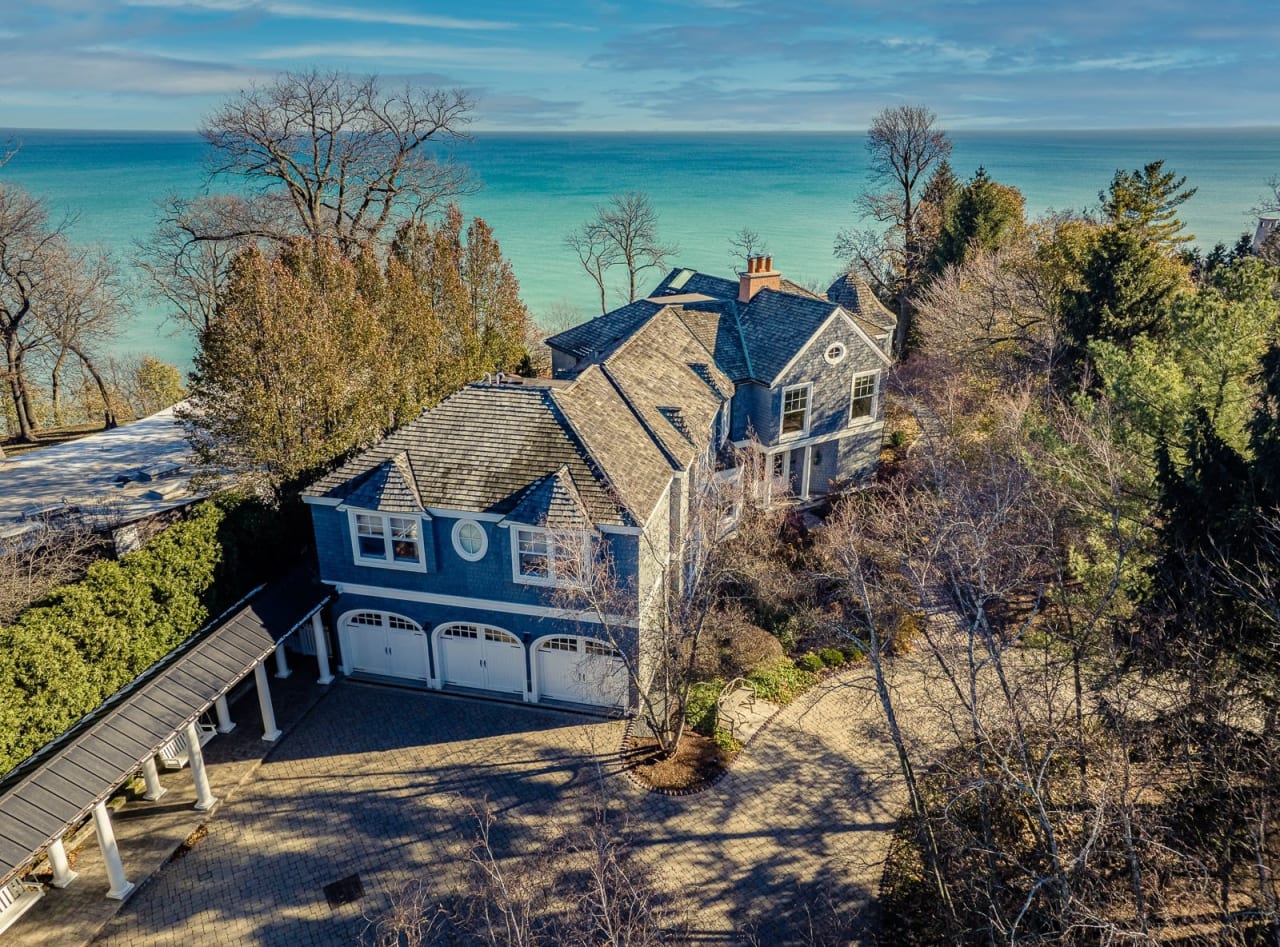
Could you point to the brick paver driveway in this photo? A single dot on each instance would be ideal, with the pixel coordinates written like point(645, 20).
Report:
point(373, 782)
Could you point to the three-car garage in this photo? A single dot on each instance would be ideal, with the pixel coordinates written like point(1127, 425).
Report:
point(472, 657)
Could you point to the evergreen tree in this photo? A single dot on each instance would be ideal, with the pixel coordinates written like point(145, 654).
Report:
point(983, 214)
point(1147, 200)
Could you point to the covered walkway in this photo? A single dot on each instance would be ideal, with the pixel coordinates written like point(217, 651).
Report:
point(44, 801)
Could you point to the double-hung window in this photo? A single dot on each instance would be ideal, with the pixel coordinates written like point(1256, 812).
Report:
point(387, 541)
point(795, 409)
point(539, 557)
point(865, 391)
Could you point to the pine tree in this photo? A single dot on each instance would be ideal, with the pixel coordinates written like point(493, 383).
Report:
point(1147, 200)
point(984, 214)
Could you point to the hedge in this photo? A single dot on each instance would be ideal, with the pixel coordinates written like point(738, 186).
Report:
point(66, 655)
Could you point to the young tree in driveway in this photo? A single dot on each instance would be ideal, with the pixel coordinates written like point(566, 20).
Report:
point(684, 575)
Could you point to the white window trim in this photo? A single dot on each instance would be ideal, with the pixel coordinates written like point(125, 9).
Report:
point(457, 544)
point(875, 398)
point(390, 563)
point(550, 536)
point(844, 350)
point(808, 412)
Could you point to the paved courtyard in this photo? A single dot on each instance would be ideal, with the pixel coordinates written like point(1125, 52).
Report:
point(376, 781)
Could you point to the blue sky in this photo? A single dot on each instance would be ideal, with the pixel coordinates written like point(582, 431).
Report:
point(650, 64)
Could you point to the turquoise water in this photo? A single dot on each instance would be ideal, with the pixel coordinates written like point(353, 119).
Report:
point(795, 189)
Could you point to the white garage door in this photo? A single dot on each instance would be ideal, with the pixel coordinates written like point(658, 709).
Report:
point(581, 670)
point(478, 656)
point(384, 643)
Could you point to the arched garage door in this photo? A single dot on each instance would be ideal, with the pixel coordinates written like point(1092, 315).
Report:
point(383, 643)
point(481, 657)
point(581, 670)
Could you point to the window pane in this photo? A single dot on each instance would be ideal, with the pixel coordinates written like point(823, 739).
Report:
point(470, 538)
point(533, 554)
point(795, 405)
point(864, 394)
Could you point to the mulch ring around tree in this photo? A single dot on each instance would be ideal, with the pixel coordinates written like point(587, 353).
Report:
point(697, 764)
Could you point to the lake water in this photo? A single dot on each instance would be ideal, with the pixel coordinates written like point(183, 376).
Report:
point(795, 189)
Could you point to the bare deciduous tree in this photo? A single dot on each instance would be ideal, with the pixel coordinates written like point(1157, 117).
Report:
point(744, 245)
point(315, 155)
point(904, 146)
point(623, 232)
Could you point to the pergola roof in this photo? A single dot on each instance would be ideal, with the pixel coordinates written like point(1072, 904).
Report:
point(59, 785)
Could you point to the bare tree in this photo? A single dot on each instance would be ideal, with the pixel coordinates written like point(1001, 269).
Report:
point(744, 245)
point(658, 630)
point(904, 146)
point(623, 232)
point(317, 155)
point(35, 564)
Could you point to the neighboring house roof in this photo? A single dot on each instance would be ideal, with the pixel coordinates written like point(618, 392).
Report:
point(103, 480)
point(750, 341)
point(479, 450)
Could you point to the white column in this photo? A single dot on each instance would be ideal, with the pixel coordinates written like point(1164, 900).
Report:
point(270, 732)
point(205, 799)
point(322, 648)
point(804, 474)
point(152, 778)
point(282, 662)
point(120, 885)
point(62, 873)
point(225, 723)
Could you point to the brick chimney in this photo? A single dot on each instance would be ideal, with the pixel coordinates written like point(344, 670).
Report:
point(760, 275)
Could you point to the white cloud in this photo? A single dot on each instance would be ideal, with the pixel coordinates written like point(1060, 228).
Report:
point(310, 11)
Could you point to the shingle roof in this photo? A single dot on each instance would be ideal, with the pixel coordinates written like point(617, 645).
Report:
point(751, 341)
point(775, 326)
point(552, 501)
point(480, 448)
point(852, 294)
point(389, 487)
point(636, 466)
point(597, 335)
point(655, 371)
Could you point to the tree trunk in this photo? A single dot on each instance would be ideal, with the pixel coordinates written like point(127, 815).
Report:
point(55, 384)
point(18, 391)
point(109, 413)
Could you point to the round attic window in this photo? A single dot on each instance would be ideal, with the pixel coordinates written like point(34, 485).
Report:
point(469, 540)
point(835, 353)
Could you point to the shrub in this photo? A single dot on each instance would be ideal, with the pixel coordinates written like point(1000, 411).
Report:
point(783, 682)
point(726, 741)
point(810, 662)
point(852, 653)
point(832, 657)
point(700, 711)
point(898, 439)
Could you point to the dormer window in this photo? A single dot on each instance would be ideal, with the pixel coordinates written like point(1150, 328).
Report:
point(795, 409)
point(540, 557)
point(386, 541)
point(865, 391)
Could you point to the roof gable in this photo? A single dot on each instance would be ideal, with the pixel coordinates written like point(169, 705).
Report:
point(552, 502)
point(389, 488)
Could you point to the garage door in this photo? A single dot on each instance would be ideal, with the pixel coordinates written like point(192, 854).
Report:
point(581, 670)
point(384, 643)
point(481, 657)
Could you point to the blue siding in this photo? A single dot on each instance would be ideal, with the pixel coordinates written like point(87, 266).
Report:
point(448, 573)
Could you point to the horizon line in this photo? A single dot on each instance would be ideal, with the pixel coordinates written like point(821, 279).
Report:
point(1003, 129)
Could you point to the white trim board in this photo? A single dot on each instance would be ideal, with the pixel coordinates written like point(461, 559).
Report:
point(460, 601)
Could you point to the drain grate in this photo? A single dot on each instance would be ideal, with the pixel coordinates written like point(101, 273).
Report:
point(344, 891)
